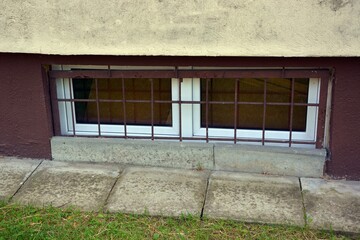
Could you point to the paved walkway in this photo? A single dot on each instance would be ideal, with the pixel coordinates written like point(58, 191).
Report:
point(171, 192)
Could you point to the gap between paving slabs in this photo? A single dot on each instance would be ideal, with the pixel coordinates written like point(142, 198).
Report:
point(27, 178)
point(60, 184)
point(159, 191)
point(121, 175)
point(14, 174)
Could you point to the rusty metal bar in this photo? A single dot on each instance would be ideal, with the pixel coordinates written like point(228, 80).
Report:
point(214, 73)
point(322, 111)
point(264, 113)
point(180, 112)
point(54, 104)
point(190, 102)
point(291, 110)
point(133, 93)
point(124, 105)
point(97, 106)
point(72, 107)
point(236, 109)
point(207, 109)
point(152, 107)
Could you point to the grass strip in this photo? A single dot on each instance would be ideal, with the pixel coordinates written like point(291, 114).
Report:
point(26, 222)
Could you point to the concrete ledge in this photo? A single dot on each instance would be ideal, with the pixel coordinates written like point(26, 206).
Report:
point(271, 160)
point(137, 152)
point(189, 155)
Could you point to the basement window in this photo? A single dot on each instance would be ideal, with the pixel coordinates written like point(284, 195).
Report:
point(261, 106)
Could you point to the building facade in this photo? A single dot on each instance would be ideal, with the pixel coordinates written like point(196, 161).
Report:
point(283, 75)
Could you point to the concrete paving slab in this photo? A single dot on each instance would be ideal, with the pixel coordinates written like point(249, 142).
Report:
point(159, 191)
point(331, 204)
point(60, 184)
point(254, 198)
point(13, 173)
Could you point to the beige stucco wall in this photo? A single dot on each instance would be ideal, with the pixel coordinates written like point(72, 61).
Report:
point(182, 27)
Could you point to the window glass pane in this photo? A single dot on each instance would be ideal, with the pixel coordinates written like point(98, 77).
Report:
point(137, 113)
point(250, 90)
point(250, 116)
point(250, 103)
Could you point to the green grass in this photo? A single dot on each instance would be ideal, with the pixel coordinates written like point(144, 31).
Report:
point(26, 222)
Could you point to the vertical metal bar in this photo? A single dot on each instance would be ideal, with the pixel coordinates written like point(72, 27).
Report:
point(152, 108)
point(291, 110)
point(97, 106)
point(159, 97)
point(324, 85)
point(54, 107)
point(72, 107)
point(264, 113)
point(236, 109)
point(133, 97)
point(124, 105)
point(211, 98)
point(207, 109)
point(180, 122)
point(109, 94)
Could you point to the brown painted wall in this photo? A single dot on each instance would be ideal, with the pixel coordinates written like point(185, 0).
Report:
point(25, 116)
point(24, 125)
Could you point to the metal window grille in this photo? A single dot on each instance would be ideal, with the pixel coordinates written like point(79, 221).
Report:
point(323, 75)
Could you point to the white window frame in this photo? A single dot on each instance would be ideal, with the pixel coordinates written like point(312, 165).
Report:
point(308, 135)
point(67, 109)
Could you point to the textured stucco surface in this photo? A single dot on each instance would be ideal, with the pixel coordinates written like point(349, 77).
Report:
point(190, 28)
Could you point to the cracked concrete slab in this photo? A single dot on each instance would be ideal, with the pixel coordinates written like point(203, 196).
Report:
point(60, 184)
point(13, 173)
point(331, 204)
point(159, 191)
point(254, 198)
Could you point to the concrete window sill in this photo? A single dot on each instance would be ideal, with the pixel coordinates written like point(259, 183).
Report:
point(189, 155)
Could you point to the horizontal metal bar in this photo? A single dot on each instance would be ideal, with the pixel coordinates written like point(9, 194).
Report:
point(187, 102)
point(112, 74)
point(215, 73)
point(195, 138)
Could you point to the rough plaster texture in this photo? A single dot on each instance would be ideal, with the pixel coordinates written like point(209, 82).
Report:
point(84, 186)
point(271, 160)
point(254, 198)
point(163, 27)
point(332, 204)
point(138, 152)
point(157, 191)
point(13, 173)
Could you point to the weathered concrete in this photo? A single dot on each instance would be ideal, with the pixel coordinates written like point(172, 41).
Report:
point(13, 173)
point(331, 204)
point(60, 184)
point(254, 198)
point(270, 160)
point(157, 191)
point(190, 28)
point(138, 152)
